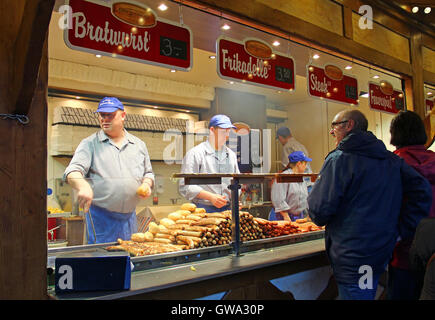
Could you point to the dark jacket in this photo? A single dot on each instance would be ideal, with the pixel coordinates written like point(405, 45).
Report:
point(422, 249)
point(423, 161)
point(358, 196)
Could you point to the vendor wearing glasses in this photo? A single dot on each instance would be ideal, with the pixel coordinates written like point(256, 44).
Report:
point(290, 199)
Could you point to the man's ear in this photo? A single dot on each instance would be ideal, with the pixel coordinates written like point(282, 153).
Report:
point(351, 124)
point(123, 115)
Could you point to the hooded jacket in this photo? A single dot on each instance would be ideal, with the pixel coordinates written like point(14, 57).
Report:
point(358, 196)
point(422, 257)
point(423, 161)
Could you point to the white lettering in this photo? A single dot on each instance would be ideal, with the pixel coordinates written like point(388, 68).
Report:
point(233, 63)
point(82, 29)
point(317, 85)
point(366, 21)
point(66, 280)
point(65, 22)
point(380, 101)
point(174, 150)
point(366, 280)
point(188, 310)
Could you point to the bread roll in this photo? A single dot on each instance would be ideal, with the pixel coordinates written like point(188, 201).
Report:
point(200, 210)
point(166, 222)
point(153, 227)
point(174, 216)
point(138, 237)
point(188, 206)
point(184, 212)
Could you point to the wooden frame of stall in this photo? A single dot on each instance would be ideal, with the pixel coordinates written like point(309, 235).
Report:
point(24, 78)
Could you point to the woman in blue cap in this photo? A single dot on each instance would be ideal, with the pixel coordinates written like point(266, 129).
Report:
point(211, 156)
point(290, 199)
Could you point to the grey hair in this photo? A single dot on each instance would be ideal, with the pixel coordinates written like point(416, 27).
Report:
point(358, 117)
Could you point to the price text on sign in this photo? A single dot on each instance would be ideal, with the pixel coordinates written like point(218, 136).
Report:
point(273, 71)
point(127, 30)
point(330, 83)
point(381, 100)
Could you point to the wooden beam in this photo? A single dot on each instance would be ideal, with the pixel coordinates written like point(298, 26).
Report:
point(417, 74)
point(23, 170)
point(303, 31)
point(347, 23)
point(429, 77)
point(28, 53)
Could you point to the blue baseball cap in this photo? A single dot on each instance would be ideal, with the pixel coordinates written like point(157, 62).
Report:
point(298, 156)
point(221, 121)
point(109, 104)
point(283, 132)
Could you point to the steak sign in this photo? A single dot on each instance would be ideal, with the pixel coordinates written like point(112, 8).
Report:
point(128, 30)
point(253, 61)
point(332, 84)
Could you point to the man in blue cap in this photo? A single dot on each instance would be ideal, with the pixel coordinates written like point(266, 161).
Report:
point(211, 156)
point(290, 199)
point(111, 171)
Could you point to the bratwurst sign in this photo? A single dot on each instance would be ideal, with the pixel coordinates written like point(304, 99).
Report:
point(128, 30)
point(253, 61)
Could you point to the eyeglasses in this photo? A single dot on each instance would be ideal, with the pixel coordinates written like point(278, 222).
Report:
point(333, 124)
point(109, 115)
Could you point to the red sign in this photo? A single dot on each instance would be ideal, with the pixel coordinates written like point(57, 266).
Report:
point(330, 83)
point(128, 30)
point(383, 97)
point(253, 61)
point(429, 105)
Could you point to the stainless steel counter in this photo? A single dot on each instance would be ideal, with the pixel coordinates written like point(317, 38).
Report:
point(200, 278)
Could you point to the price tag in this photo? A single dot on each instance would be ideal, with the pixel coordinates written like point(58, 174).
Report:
point(173, 48)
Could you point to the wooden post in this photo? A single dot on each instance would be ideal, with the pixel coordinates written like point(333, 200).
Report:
point(23, 161)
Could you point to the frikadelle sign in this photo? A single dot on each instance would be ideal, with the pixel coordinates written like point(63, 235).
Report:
point(128, 30)
point(383, 97)
point(253, 61)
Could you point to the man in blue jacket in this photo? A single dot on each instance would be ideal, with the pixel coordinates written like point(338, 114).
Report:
point(367, 197)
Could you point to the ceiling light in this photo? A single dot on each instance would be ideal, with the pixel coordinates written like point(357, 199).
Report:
point(375, 76)
point(226, 27)
point(363, 94)
point(427, 10)
point(231, 82)
point(348, 67)
point(156, 107)
point(276, 43)
point(172, 70)
point(316, 56)
point(77, 98)
point(414, 9)
point(212, 57)
point(98, 55)
point(429, 93)
point(162, 7)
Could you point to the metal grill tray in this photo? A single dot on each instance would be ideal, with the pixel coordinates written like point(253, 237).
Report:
point(179, 257)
